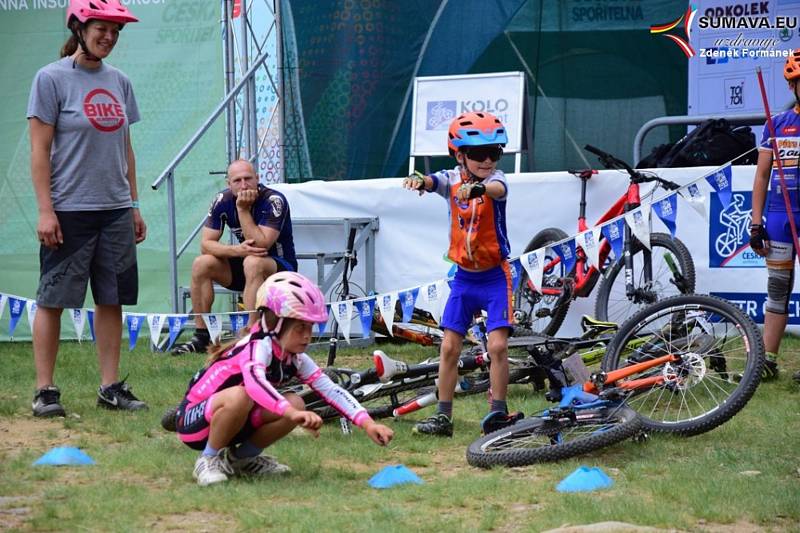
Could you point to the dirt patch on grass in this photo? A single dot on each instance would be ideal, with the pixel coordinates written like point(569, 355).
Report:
point(736, 527)
point(22, 433)
point(14, 510)
point(196, 521)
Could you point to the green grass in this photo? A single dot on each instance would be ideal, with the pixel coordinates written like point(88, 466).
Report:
point(143, 480)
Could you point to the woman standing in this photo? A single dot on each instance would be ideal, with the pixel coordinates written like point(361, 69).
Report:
point(84, 176)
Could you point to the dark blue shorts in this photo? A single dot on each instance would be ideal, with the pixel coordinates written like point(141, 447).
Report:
point(472, 292)
point(237, 271)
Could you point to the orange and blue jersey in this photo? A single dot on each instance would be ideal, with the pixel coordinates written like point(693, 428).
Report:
point(787, 131)
point(478, 236)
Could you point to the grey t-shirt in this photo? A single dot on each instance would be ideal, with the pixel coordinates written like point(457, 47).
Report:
point(91, 110)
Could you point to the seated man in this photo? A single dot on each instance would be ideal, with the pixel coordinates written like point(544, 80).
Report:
point(259, 218)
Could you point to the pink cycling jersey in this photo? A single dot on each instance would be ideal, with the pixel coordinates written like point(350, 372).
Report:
point(255, 362)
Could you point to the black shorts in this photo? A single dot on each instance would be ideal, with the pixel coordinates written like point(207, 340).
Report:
point(237, 271)
point(99, 246)
point(193, 424)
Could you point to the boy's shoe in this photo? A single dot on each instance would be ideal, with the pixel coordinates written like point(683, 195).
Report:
point(194, 345)
point(169, 420)
point(47, 402)
point(770, 370)
point(438, 424)
point(119, 396)
point(498, 420)
point(210, 469)
point(261, 465)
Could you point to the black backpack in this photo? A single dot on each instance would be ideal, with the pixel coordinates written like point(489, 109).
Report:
point(711, 143)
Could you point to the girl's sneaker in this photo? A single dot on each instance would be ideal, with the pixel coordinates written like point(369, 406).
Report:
point(210, 469)
point(261, 465)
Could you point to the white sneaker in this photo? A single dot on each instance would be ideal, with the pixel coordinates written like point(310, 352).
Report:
point(261, 465)
point(210, 469)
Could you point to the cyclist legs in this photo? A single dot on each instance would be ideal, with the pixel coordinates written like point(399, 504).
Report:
point(448, 364)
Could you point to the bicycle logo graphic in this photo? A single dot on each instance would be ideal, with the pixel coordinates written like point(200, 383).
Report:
point(440, 113)
point(736, 222)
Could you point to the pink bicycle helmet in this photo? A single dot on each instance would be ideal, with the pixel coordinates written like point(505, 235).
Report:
point(291, 295)
point(111, 10)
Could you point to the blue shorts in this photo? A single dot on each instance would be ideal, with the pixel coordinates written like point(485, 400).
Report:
point(779, 235)
point(472, 292)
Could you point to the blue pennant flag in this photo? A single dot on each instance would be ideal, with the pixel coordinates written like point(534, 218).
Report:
point(16, 306)
point(324, 325)
point(134, 325)
point(407, 300)
point(615, 233)
point(566, 251)
point(90, 320)
point(238, 321)
point(667, 210)
point(365, 310)
point(516, 268)
point(175, 323)
point(722, 182)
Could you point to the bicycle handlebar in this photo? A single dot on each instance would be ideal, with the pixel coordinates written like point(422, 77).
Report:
point(611, 162)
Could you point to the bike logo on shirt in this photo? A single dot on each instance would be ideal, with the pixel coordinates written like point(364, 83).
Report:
point(103, 110)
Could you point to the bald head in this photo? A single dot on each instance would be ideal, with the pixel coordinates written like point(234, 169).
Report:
point(242, 176)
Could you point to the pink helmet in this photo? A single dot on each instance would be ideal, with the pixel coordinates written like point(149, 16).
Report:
point(291, 295)
point(111, 10)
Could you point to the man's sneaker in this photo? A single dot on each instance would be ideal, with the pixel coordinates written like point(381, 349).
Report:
point(196, 344)
point(169, 420)
point(210, 469)
point(438, 424)
point(46, 402)
point(119, 396)
point(796, 376)
point(261, 465)
point(498, 420)
point(770, 370)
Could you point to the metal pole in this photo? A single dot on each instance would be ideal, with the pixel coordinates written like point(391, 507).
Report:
point(230, 79)
point(173, 243)
point(281, 177)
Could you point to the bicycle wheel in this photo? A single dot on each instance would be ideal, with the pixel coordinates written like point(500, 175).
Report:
point(542, 439)
point(672, 273)
point(539, 312)
point(721, 354)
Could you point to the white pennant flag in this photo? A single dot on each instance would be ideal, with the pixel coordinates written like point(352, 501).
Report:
point(31, 313)
point(386, 303)
point(694, 196)
point(589, 240)
point(78, 321)
point(156, 323)
point(3, 300)
point(214, 325)
point(639, 222)
point(343, 313)
point(435, 294)
point(533, 263)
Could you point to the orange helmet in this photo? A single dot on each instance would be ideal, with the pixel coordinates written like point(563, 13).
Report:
point(475, 129)
point(791, 70)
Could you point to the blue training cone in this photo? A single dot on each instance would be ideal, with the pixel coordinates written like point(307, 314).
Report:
point(585, 479)
point(64, 456)
point(392, 475)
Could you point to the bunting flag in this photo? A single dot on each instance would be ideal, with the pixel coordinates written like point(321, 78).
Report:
point(32, 307)
point(588, 241)
point(3, 299)
point(134, 323)
point(639, 222)
point(722, 182)
point(365, 309)
point(515, 267)
point(343, 312)
point(667, 210)
point(176, 323)
point(238, 321)
point(386, 303)
point(213, 325)
point(615, 233)
point(156, 323)
point(566, 251)
point(408, 300)
point(78, 320)
point(90, 320)
point(15, 307)
point(695, 198)
point(322, 326)
point(533, 263)
point(435, 294)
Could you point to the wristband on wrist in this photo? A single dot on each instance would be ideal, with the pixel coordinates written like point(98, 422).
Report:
point(134, 204)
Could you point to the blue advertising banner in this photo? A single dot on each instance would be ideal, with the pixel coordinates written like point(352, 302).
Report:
point(752, 303)
point(729, 233)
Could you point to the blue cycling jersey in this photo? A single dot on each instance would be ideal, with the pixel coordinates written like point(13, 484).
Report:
point(787, 133)
point(270, 209)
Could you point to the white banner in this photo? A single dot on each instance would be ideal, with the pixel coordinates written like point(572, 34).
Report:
point(214, 325)
point(533, 263)
point(639, 222)
point(156, 323)
point(343, 313)
point(78, 321)
point(31, 313)
point(589, 240)
point(386, 303)
point(440, 99)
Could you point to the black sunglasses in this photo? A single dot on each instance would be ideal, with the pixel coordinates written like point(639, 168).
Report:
point(480, 153)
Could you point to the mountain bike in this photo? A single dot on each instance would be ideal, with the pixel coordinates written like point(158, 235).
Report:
point(649, 274)
point(699, 365)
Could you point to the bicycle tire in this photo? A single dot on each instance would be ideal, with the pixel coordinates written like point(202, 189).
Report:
point(712, 382)
point(551, 440)
point(527, 302)
point(613, 305)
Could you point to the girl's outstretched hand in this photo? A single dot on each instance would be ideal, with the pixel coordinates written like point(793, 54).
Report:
point(378, 433)
point(307, 420)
